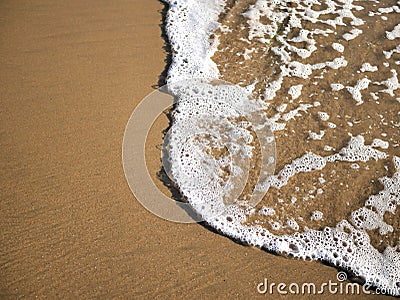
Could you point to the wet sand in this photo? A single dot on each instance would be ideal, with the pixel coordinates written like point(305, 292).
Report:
point(345, 187)
point(71, 75)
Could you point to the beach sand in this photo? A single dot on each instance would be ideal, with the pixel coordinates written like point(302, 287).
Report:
point(72, 73)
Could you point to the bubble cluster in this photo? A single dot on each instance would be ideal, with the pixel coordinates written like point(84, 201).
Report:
point(296, 59)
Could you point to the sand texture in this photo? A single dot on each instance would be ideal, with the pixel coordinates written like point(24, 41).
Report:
point(71, 74)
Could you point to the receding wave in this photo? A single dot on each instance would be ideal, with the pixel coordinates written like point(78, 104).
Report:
point(323, 76)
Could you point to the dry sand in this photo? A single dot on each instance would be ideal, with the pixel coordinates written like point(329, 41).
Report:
point(71, 74)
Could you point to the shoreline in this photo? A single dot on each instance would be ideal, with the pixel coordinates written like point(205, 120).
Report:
point(72, 75)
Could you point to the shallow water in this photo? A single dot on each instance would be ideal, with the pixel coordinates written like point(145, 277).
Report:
point(324, 75)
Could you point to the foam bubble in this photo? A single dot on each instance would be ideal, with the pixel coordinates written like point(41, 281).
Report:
point(317, 215)
point(355, 91)
point(323, 116)
point(295, 91)
point(338, 47)
point(337, 86)
point(352, 34)
point(367, 67)
point(395, 33)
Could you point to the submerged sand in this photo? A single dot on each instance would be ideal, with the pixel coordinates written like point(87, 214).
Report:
point(341, 187)
point(71, 75)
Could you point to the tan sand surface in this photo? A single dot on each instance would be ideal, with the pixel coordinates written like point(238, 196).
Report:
point(71, 74)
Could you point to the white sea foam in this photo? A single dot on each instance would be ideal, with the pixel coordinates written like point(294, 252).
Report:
point(200, 176)
point(189, 25)
point(338, 47)
point(367, 67)
point(355, 91)
point(395, 33)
